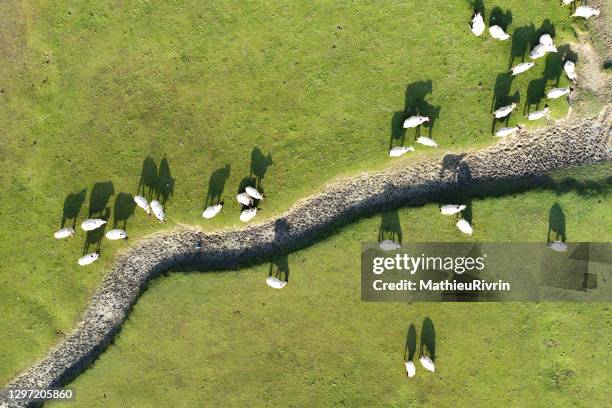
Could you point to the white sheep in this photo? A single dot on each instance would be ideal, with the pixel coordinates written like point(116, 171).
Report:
point(400, 151)
point(566, 2)
point(506, 131)
point(252, 191)
point(585, 12)
point(477, 24)
point(116, 234)
point(245, 199)
point(464, 226)
point(415, 121)
point(452, 209)
point(504, 111)
point(538, 51)
point(410, 368)
point(389, 245)
point(557, 246)
point(88, 259)
point(426, 141)
point(547, 41)
point(522, 67)
point(498, 33)
point(538, 114)
point(212, 210)
point(158, 210)
point(275, 283)
point(142, 203)
point(64, 233)
point(427, 363)
point(92, 224)
point(570, 69)
point(558, 92)
point(248, 214)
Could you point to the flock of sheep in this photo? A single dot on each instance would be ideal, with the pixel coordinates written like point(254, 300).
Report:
point(544, 46)
point(251, 196)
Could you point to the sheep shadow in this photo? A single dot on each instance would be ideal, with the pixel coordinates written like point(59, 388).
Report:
point(477, 5)
point(72, 207)
point(556, 224)
point(123, 210)
point(410, 346)
point(165, 182)
point(414, 104)
point(279, 267)
point(99, 198)
point(523, 39)
point(500, 18)
point(535, 94)
point(147, 187)
point(94, 238)
point(260, 164)
point(390, 227)
point(428, 339)
point(216, 185)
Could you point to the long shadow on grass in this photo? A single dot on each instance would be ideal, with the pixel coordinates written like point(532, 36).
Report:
point(72, 207)
point(98, 208)
point(410, 347)
point(216, 185)
point(502, 97)
point(123, 210)
point(428, 339)
point(523, 40)
point(501, 18)
point(390, 227)
point(556, 224)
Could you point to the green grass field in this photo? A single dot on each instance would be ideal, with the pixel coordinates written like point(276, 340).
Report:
point(99, 97)
point(226, 339)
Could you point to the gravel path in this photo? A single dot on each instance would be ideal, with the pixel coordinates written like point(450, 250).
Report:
point(528, 155)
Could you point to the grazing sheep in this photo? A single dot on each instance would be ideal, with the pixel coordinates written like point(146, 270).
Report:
point(504, 111)
point(558, 92)
point(89, 258)
point(566, 2)
point(248, 214)
point(245, 199)
point(547, 41)
point(570, 69)
point(464, 226)
point(212, 210)
point(585, 12)
point(426, 141)
point(252, 191)
point(506, 131)
point(522, 67)
point(557, 246)
point(538, 114)
point(275, 283)
point(116, 234)
point(400, 151)
point(64, 233)
point(498, 33)
point(538, 51)
point(142, 203)
point(427, 363)
point(452, 209)
point(388, 245)
point(477, 24)
point(158, 210)
point(410, 369)
point(92, 224)
point(415, 121)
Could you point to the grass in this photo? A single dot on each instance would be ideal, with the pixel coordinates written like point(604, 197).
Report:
point(90, 91)
point(226, 339)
